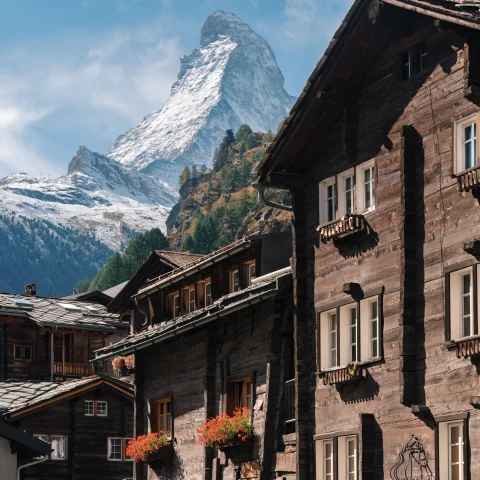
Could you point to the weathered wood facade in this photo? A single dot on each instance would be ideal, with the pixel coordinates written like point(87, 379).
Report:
point(53, 339)
point(196, 348)
point(391, 97)
point(61, 417)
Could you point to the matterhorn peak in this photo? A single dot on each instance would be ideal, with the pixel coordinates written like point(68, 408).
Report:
point(231, 79)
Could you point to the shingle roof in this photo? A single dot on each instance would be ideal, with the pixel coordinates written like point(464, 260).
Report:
point(179, 258)
point(198, 263)
point(224, 305)
point(17, 396)
point(115, 290)
point(59, 312)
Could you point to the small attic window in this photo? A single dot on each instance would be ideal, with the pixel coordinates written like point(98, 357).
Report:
point(21, 302)
point(70, 307)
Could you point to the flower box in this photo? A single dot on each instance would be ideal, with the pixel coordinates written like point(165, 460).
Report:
point(154, 449)
point(227, 431)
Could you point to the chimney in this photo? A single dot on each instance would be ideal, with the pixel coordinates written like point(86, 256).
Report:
point(31, 290)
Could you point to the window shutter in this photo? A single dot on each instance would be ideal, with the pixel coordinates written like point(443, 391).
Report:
point(153, 417)
point(368, 433)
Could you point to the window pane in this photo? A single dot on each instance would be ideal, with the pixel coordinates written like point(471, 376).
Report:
point(18, 351)
point(466, 283)
point(28, 353)
point(58, 446)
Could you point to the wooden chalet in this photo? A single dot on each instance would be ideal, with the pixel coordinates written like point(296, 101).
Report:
point(381, 156)
point(159, 263)
point(85, 422)
point(217, 335)
point(51, 338)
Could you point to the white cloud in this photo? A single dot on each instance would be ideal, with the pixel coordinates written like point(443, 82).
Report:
point(307, 20)
point(103, 83)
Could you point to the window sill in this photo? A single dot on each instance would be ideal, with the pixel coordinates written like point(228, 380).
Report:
point(468, 179)
point(346, 373)
point(342, 227)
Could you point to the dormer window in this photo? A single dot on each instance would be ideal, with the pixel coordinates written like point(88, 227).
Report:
point(173, 305)
point(250, 270)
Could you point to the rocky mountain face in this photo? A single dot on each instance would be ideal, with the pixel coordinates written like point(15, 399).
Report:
point(97, 195)
point(232, 79)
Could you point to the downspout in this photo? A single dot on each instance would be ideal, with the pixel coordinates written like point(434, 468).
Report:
point(260, 188)
point(51, 352)
point(19, 469)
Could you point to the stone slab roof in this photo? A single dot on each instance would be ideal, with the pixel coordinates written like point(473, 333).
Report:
point(179, 258)
point(56, 312)
point(16, 396)
point(223, 306)
point(115, 290)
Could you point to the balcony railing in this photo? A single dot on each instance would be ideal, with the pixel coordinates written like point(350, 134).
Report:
point(71, 369)
point(342, 375)
point(467, 347)
point(342, 227)
point(469, 179)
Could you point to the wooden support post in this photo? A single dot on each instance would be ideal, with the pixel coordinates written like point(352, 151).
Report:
point(52, 335)
point(139, 409)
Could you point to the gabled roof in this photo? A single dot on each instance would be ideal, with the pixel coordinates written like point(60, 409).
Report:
point(260, 291)
point(159, 260)
point(57, 312)
point(198, 264)
point(460, 12)
point(24, 397)
point(112, 292)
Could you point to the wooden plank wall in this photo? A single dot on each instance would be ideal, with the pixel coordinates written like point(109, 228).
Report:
point(429, 103)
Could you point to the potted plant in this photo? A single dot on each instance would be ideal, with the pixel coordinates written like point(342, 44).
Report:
point(154, 449)
point(130, 363)
point(226, 431)
point(118, 364)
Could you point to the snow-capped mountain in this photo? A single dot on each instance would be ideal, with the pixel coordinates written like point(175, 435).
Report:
point(233, 78)
point(97, 194)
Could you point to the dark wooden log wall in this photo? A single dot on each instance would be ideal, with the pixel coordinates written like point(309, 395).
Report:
point(195, 369)
point(398, 123)
point(87, 437)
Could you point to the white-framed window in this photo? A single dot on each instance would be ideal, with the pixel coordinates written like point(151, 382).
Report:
point(346, 193)
point(466, 149)
point(332, 338)
point(208, 293)
point(250, 272)
point(366, 187)
point(234, 281)
point(89, 408)
point(58, 444)
point(451, 449)
point(115, 449)
point(191, 301)
point(463, 291)
point(359, 338)
point(59, 447)
point(328, 200)
point(102, 408)
point(337, 458)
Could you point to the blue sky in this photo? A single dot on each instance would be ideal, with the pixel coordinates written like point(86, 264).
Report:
point(82, 72)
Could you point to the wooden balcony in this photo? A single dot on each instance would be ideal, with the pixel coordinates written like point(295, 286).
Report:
point(342, 227)
point(70, 370)
point(342, 375)
point(468, 347)
point(469, 179)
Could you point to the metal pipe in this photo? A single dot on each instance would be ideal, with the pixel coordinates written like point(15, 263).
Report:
point(19, 469)
point(260, 188)
point(51, 355)
point(269, 276)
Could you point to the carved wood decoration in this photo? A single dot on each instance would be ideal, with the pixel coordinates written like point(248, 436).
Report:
point(469, 180)
point(467, 348)
point(342, 227)
point(342, 375)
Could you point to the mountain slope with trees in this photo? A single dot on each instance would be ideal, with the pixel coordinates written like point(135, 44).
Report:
point(218, 206)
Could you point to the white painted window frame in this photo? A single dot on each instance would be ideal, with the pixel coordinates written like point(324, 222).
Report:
point(456, 302)
point(360, 187)
point(106, 408)
point(459, 138)
point(110, 449)
point(88, 402)
point(342, 192)
point(323, 200)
